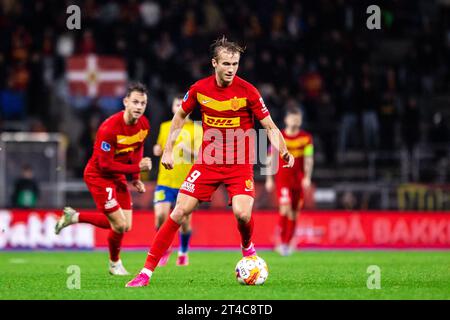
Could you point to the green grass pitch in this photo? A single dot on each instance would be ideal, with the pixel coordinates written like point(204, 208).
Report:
point(210, 276)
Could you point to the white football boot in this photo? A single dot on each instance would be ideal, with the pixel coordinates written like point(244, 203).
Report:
point(117, 268)
point(67, 218)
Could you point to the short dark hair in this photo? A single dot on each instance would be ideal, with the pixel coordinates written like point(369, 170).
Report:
point(294, 110)
point(223, 43)
point(136, 86)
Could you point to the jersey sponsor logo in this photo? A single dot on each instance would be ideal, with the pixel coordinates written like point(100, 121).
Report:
point(233, 104)
point(110, 204)
point(186, 96)
point(138, 137)
point(189, 187)
point(105, 146)
point(218, 122)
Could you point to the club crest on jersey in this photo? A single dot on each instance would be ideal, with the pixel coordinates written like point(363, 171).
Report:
point(234, 104)
point(186, 96)
point(106, 146)
point(249, 184)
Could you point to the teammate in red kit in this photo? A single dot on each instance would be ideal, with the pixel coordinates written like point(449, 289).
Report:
point(118, 150)
point(228, 105)
point(291, 182)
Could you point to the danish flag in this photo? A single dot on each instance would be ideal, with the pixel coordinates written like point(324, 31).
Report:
point(94, 76)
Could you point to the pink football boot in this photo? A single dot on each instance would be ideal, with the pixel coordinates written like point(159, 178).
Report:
point(141, 280)
point(250, 251)
point(183, 260)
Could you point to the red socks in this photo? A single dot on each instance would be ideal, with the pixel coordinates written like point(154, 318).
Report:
point(114, 244)
point(282, 222)
point(114, 238)
point(163, 240)
point(289, 233)
point(246, 230)
point(98, 220)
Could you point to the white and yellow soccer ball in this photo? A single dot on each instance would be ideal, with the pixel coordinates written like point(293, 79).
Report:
point(251, 271)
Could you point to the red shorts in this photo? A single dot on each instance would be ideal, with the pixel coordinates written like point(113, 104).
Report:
point(290, 196)
point(203, 180)
point(109, 194)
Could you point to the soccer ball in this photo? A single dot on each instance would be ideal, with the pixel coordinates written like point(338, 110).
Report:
point(251, 271)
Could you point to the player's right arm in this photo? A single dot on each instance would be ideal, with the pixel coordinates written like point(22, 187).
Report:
point(175, 129)
point(187, 106)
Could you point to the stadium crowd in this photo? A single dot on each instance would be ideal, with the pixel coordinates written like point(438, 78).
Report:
point(360, 89)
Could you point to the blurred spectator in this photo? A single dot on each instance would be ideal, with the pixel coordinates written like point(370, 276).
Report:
point(411, 124)
point(214, 21)
point(88, 42)
point(150, 13)
point(439, 136)
point(388, 113)
point(12, 105)
point(26, 189)
point(368, 102)
point(348, 201)
point(349, 115)
point(326, 128)
point(311, 85)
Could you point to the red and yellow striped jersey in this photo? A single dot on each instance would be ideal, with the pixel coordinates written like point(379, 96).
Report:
point(300, 146)
point(228, 114)
point(118, 147)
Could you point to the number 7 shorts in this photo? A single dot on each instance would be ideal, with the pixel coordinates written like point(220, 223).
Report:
point(203, 180)
point(109, 194)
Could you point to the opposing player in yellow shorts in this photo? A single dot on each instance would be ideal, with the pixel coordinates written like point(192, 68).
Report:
point(169, 181)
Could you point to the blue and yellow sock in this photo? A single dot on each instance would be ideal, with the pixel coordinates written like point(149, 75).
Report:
point(184, 241)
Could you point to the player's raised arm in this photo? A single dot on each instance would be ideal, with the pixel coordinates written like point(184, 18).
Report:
point(277, 140)
point(175, 129)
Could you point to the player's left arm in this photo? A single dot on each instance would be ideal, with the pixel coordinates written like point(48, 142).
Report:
point(308, 164)
point(272, 164)
point(259, 109)
point(277, 140)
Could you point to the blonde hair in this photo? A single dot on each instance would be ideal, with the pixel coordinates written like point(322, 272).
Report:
point(223, 43)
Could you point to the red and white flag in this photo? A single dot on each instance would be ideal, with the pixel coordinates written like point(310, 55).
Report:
point(94, 75)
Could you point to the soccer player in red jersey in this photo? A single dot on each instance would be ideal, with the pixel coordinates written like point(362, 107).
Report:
point(118, 150)
point(228, 105)
point(291, 182)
